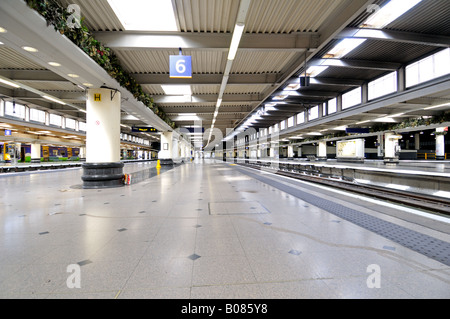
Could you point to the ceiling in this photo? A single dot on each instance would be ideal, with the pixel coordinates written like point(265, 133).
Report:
point(281, 39)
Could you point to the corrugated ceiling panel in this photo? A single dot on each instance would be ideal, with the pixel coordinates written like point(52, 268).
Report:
point(10, 59)
point(205, 89)
point(428, 17)
point(378, 50)
point(245, 89)
point(255, 62)
point(207, 15)
point(285, 16)
point(98, 14)
point(153, 89)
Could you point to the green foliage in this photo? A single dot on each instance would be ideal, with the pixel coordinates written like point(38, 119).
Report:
point(57, 15)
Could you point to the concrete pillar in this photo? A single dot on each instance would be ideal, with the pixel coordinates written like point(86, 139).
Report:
point(322, 151)
point(417, 141)
point(392, 149)
point(165, 155)
point(103, 168)
point(380, 146)
point(35, 153)
point(290, 150)
point(440, 143)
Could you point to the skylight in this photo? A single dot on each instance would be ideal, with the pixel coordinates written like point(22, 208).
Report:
point(145, 15)
point(343, 48)
point(389, 13)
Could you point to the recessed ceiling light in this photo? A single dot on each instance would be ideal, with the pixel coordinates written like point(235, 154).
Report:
point(54, 64)
point(88, 84)
point(3, 30)
point(73, 75)
point(177, 89)
point(30, 49)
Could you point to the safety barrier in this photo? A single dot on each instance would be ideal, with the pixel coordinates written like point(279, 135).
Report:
point(430, 156)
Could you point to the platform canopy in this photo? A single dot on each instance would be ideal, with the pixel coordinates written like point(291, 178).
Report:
point(247, 60)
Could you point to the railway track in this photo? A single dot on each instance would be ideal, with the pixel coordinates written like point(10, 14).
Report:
point(425, 202)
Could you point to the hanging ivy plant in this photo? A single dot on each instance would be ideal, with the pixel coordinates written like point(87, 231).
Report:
point(55, 14)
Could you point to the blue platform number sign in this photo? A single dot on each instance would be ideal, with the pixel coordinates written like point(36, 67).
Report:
point(180, 67)
point(7, 132)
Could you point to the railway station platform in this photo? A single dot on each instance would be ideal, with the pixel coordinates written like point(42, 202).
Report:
point(426, 177)
point(213, 230)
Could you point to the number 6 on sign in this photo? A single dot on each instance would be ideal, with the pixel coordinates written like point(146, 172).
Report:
point(180, 66)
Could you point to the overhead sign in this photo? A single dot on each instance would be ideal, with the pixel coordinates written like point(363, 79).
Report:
point(7, 132)
point(180, 67)
point(357, 130)
point(194, 129)
point(144, 129)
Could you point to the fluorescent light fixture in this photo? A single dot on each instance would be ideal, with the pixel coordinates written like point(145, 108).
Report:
point(370, 33)
point(237, 35)
point(73, 75)
point(436, 106)
point(88, 84)
point(54, 64)
point(1, 43)
point(340, 128)
point(3, 30)
point(145, 15)
point(315, 70)
point(343, 48)
point(219, 102)
point(363, 122)
point(396, 115)
point(53, 99)
point(389, 13)
point(30, 49)
point(385, 120)
point(314, 134)
point(14, 85)
point(177, 89)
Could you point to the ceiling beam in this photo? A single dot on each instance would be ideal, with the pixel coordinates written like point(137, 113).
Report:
point(128, 40)
point(207, 98)
point(397, 36)
point(357, 64)
point(32, 75)
point(206, 79)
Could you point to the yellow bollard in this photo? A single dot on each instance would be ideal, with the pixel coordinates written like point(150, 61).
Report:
point(158, 164)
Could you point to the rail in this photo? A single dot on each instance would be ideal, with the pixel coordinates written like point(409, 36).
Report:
point(425, 202)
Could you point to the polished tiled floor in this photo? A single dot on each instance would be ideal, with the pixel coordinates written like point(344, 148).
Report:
point(200, 230)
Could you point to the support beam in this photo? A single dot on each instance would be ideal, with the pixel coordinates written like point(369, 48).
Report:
point(32, 75)
point(356, 64)
point(397, 36)
point(206, 79)
point(207, 98)
point(128, 40)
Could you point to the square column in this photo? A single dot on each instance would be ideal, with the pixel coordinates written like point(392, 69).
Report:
point(165, 155)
